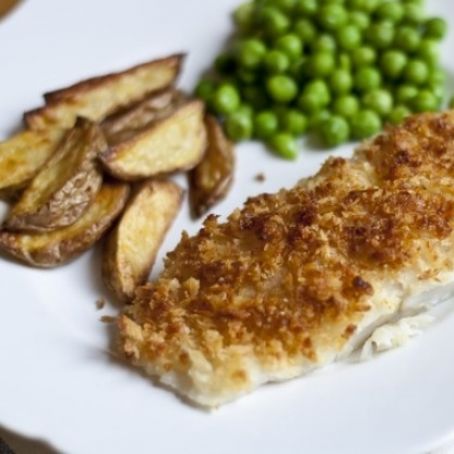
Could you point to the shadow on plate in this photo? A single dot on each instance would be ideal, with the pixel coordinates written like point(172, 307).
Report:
point(23, 445)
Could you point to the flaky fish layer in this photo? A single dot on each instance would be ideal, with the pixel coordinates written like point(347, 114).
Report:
point(298, 279)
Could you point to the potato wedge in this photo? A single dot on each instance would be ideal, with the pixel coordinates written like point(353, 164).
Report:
point(23, 155)
point(65, 186)
point(132, 246)
point(98, 97)
point(211, 180)
point(127, 123)
point(176, 142)
point(47, 250)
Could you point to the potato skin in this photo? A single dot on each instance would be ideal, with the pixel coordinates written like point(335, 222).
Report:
point(131, 248)
point(51, 249)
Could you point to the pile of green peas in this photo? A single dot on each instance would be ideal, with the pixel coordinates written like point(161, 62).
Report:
point(340, 69)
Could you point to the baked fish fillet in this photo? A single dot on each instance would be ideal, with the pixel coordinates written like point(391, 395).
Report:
point(299, 279)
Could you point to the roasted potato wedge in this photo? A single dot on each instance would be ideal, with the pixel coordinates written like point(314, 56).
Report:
point(23, 155)
point(132, 246)
point(176, 142)
point(127, 123)
point(47, 250)
point(210, 181)
point(98, 97)
point(65, 186)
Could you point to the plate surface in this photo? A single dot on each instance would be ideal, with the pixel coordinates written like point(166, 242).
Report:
point(58, 381)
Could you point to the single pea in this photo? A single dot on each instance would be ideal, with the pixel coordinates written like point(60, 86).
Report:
point(285, 5)
point(324, 43)
point(226, 99)
point(205, 89)
point(345, 62)
point(407, 38)
point(321, 89)
point(416, 72)
point(405, 93)
point(436, 76)
point(428, 51)
point(392, 63)
point(238, 126)
point(307, 7)
point(284, 145)
point(321, 64)
point(346, 106)
point(281, 88)
point(413, 13)
point(390, 10)
point(246, 109)
point(364, 124)
point(243, 16)
point(359, 19)
point(348, 37)
point(265, 124)
point(381, 34)
point(438, 91)
point(334, 131)
point(255, 96)
point(332, 16)
point(424, 101)
point(276, 62)
point(251, 53)
point(291, 45)
point(274, 21)
point(366, 79)
point(398, 114)
point(316, 119)
point(340, 81)
point(379, 100)
point(363, 5)
point(225, 64)
point(435, 28)
point(306, 30)
point(363, 56)
point(309, 102)
point(293, 122)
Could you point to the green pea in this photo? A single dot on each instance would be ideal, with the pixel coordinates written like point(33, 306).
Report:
point(238, 126)
point(265, 124)
point(405, 93)
point(324, 43)
point(319, 88)
point(363, 5)
point(306, 30)
point(413, 13)
point(281, 88)
point(345, 62)
point(205, 89)
point(255, 96)
point(276, 62)
point(398, 114)
point(390, 10)
point(307, 7)
point(332, 16)
point(367, 79)
point(293, 122)
point(364, 124)
point(316, 119)
point(341, 81)
point(334, 131)
point(284, 145)
point(360, 20)
point(285, 5)
point(379, 100)
point(364, 56)
point(321, 64)
point(392, 63)
point(309, 102)
point(290, 45)
point(274, 22)
point(346, 106)
point(416, 72)
point(381, 34)
point(437, 76)
point(428, 51)
point(424, 101)
point(226, 99)
point(407, 38)
point(348, 37)
point(246, 76)
point(251, 53)
point(436, 28)
point(438, 91)
point(243, 16)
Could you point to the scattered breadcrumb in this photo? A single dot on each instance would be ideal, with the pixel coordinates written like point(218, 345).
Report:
point(108, 319)
point(260, 177)
point(100, 303)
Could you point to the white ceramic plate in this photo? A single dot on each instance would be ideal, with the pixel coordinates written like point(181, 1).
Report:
point(57, 380)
